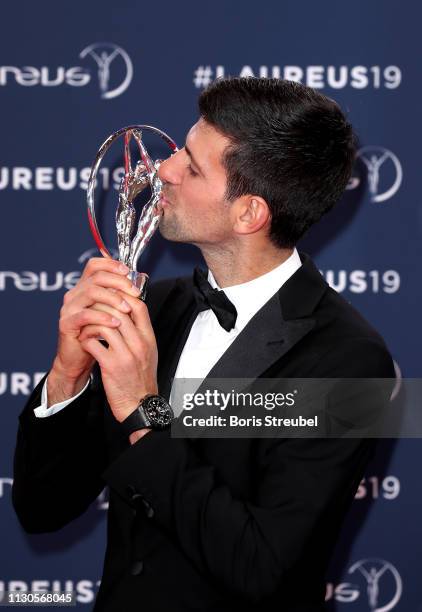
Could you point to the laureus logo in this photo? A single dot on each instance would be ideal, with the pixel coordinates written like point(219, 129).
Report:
point(384, 173)
point(383, 583)
point(114, 70)
point(110, 58)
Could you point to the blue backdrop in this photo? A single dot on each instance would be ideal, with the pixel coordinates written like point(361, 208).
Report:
point(73, 72)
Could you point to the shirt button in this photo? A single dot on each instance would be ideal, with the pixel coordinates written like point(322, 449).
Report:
point(137, 568)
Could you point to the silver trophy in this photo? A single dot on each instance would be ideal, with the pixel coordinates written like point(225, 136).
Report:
point(131, 241)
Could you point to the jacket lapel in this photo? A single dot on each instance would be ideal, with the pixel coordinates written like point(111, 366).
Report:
point(275, 329)
point(172, 328)
point(265, 339)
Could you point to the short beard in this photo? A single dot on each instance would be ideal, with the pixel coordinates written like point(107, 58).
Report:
point(171, 230)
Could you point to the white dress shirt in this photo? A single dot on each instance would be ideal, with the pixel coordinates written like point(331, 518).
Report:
point(207, 340)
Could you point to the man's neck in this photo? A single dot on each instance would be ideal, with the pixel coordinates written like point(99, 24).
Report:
point(231, 269)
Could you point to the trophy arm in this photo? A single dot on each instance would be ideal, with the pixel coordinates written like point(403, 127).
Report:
point(133, 182)
point(139, 181)
point(146, 159)
point(125, 219)
point(147, 225)
point(151, 213)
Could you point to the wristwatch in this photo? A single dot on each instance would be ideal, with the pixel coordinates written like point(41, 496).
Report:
point(153, 411)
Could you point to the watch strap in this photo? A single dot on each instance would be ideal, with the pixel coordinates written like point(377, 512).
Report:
point(136, 420)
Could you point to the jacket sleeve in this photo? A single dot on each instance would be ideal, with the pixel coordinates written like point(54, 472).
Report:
point(58, 461)
point(305, 487)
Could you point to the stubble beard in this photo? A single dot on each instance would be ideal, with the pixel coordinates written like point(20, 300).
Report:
point(171, 229)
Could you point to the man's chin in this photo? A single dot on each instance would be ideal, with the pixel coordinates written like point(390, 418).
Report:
point(171, 234)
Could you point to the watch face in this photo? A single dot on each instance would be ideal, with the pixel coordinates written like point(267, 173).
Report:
point(158, 411)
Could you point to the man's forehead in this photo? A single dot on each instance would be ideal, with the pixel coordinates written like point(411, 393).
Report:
point(203, 135)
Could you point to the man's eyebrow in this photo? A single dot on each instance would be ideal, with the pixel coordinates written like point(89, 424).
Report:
point(189, 152)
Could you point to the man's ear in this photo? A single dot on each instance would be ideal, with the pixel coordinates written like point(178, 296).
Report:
point(252, 214)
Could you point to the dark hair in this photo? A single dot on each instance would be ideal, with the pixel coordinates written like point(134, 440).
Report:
point(291, 145)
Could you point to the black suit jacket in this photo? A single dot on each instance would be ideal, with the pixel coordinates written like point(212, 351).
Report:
point(211, 524)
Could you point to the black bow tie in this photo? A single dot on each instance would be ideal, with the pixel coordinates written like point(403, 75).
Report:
point(206, 297)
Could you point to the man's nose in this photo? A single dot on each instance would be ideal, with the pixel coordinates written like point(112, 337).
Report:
point(170, 169)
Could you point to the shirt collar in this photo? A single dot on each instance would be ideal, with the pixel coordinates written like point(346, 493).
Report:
point(249, 297)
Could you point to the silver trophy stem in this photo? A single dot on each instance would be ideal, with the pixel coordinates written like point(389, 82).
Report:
point(140, 280)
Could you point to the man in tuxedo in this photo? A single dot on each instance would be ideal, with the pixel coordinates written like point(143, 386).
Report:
point(210, 524)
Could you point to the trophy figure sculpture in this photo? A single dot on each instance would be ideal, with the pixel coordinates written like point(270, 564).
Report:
point(131, 241)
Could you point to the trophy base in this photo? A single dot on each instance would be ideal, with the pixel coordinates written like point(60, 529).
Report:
point(140, 280)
